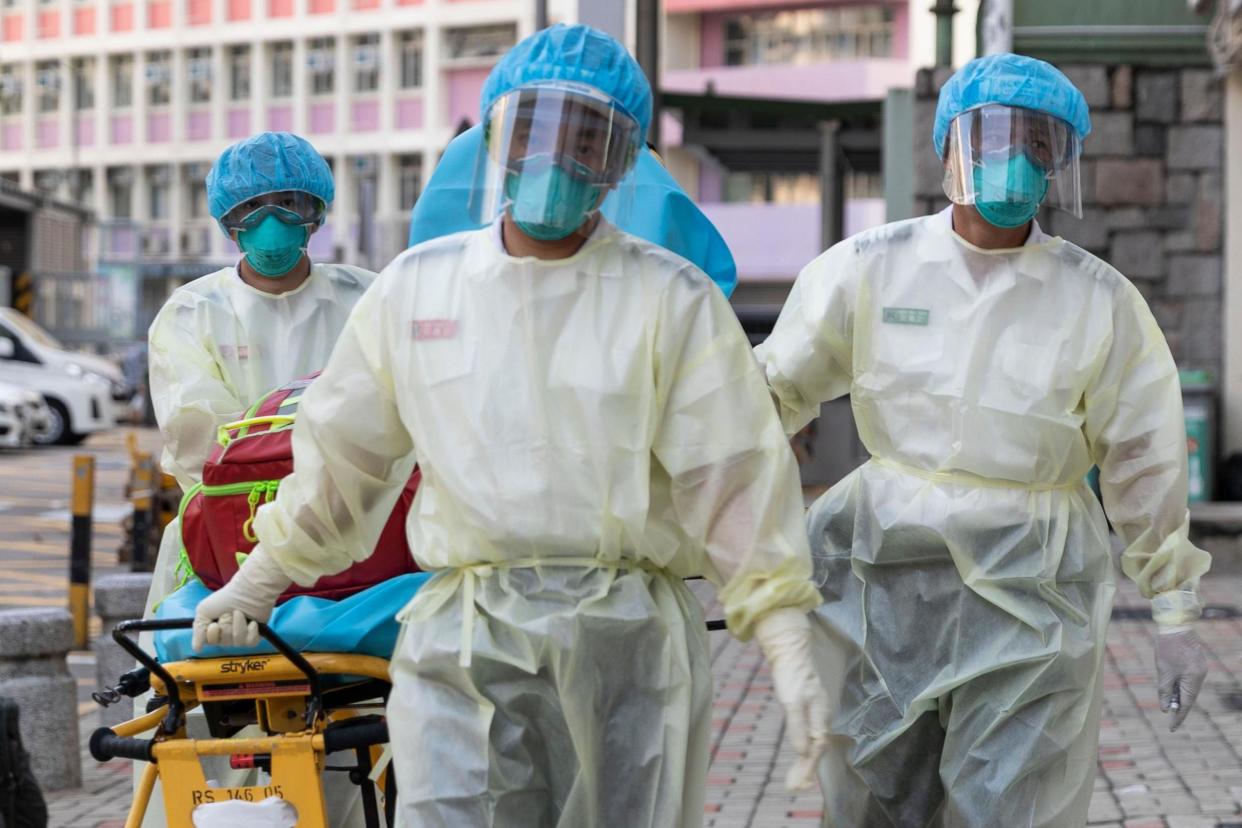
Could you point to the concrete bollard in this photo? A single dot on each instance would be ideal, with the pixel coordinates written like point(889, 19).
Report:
point(117, 598)
point(33, 672)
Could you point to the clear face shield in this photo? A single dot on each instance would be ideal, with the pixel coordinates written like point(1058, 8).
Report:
point(550, 155)
point(1008, 160)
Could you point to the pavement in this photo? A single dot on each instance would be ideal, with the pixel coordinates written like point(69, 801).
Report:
point(1145, 777)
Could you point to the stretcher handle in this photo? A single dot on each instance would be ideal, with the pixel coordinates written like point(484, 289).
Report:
point(713, 626)
point(176, 708)
point(347, 735)
point(106, 745)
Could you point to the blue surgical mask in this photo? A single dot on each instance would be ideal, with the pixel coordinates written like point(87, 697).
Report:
point(1008, 193)
point(273, 248)
point(549, 204)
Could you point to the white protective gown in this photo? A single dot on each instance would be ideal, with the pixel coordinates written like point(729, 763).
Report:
point(965, 568)
point(216, 347)
point(590, 430)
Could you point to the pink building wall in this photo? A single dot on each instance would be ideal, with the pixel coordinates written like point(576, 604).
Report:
point(121, 130)
point(47, 133)
point(464, 86)
point(198, 12)
point(84, 20)
point(84, 130)
point(712, 28)
point(775, 241)
point(14, 27)
point(238, 10)
point(198, 126)
point(11, 136)
point(364, 116)
point(49, 24)
point(322, 117)
point(409, 113)
point(280, 8)
point(122, 16)
point(159, 127)
point(280, 118)
point(841, 80)
point(237, 124)
point(159, 15)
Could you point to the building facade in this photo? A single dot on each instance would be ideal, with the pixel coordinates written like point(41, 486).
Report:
point(122, 105)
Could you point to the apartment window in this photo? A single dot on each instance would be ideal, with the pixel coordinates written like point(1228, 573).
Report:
point(198, 75)
point(10, 90)
point(121, 193)
point(157, 193)
point(82, 187)
point(196, 191)
point(479, 41)
point(320, 59)
point(84, 84)
point(772, 188)
point(239, 73)
point(121, 76)
point(808, 35)
point(282, 70)
point(410, 59)
point(47, 182)
point(366, 63)
point(409, 180)
point(159, 78)
point(47, 85)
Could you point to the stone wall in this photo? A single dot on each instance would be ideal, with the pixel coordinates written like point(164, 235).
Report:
point(1152, 181)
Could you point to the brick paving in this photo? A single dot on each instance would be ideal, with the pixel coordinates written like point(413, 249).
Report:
point(1147, 777)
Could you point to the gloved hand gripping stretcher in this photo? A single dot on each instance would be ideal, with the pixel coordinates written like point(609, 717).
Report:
point(306, 705)
point(300, 705)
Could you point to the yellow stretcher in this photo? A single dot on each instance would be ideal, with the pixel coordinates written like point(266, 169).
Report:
point(307, 706)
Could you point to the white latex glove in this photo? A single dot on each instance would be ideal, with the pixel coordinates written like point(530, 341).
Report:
point(1181, 667)
point(227, 617)
point(784, 635)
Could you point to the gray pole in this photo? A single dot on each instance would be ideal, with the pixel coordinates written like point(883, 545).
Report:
point(541, 14)
point(831, 185)
point(944, 11)
point(647, 47)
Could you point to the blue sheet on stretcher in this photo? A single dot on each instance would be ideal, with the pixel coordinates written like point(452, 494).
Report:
point(362, 624)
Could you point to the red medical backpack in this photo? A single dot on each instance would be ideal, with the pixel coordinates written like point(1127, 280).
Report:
point(244, 471)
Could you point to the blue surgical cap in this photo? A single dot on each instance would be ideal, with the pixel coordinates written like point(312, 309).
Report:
point(659, 210)
point(270, 162)
point(1012, 80)
point(573, 53)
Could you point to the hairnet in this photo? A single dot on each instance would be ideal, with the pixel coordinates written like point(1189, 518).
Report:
point(575, 53)
point(1013, 80)
point(269, 162)
point(660, 211)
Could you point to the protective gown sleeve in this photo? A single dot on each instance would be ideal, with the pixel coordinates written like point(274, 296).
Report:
point(808, 358)
point(188, 392)
point(1137, 435)
point(351, 456)
point(734, 482)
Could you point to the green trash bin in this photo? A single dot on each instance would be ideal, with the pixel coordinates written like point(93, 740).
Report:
point(1199, 404)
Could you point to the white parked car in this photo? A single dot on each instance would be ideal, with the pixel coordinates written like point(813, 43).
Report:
point(14, 416)
point(84, 393)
